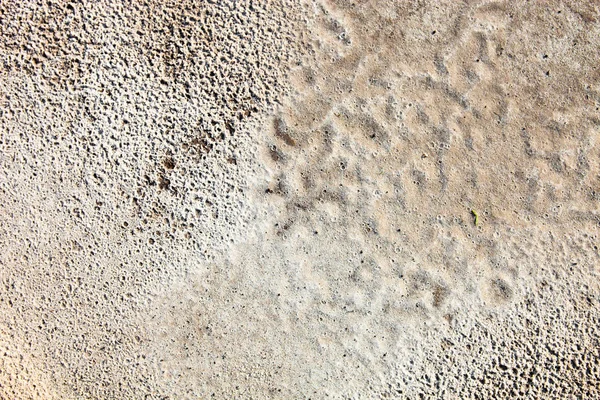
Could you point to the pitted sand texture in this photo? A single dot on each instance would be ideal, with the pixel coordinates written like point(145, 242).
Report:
point(299, 199)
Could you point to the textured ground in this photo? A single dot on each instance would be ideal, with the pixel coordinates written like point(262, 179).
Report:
point(299, 199)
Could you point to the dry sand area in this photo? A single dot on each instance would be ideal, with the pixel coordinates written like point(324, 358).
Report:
point(299, 199)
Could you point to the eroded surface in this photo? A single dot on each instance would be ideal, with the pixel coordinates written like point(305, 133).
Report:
point(329, 199)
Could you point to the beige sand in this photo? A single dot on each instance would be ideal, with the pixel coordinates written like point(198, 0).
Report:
point(284, 199)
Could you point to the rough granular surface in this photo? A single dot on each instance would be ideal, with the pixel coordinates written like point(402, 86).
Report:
point(297, 199)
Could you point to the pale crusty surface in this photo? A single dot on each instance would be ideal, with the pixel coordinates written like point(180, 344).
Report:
point(317, 199)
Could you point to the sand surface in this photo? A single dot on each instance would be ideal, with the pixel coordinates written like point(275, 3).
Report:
point(296, 199)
